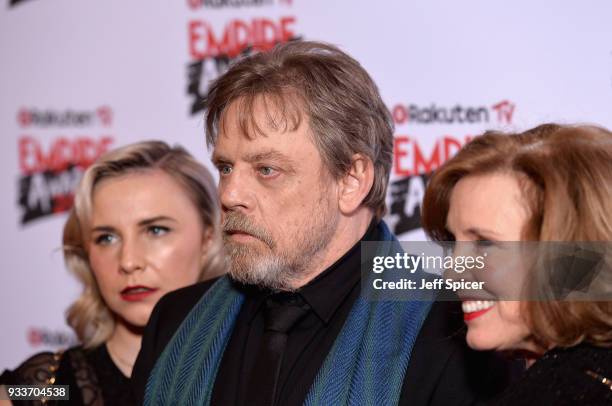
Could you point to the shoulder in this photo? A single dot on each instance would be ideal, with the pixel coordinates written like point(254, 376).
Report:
point(583, 357)
point(170, 312)
point(39, 369)
point(185, 298)
point(179, 302)
point(166, 318)
point(443, 367)
point(576, 375)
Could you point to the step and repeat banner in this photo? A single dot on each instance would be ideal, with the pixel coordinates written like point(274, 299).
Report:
point(78, 78)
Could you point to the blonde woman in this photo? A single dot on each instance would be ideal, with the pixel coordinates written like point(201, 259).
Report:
point(553, 185)
point(145, 222)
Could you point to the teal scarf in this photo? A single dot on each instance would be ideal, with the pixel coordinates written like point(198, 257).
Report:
point(366, 365)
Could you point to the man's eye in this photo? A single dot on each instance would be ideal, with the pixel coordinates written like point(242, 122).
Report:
point(225, 169)
point(267, 171)
point(158, 230)
point(105, 239)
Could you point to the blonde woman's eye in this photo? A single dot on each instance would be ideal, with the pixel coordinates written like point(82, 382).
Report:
point(105, 239)
point(158, 230)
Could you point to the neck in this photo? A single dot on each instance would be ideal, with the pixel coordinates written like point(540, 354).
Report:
point(123, 346)
point(529, 350)
point(536, 349)
point(350, 230)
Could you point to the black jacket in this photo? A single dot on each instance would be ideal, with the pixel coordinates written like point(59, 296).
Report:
point(580, 375)
point(442, 369)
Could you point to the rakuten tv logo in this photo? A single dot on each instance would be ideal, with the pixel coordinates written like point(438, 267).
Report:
point(414, 165)
point(502, 112)
point(212, 51)
point(40, 336)
point(30, 117)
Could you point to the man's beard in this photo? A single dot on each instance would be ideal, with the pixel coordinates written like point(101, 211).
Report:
point(270, 267)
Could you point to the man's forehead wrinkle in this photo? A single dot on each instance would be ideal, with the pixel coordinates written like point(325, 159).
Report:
point(264, 155)
point(269, 154)
point(255, 114)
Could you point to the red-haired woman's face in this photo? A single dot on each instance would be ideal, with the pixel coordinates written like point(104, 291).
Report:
point(490, 208)
point(146, 240)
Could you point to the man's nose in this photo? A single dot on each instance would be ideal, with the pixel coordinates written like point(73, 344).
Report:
point(235, 192)
point(132, 256)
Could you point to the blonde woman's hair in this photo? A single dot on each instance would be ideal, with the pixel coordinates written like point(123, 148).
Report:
point(89, 315)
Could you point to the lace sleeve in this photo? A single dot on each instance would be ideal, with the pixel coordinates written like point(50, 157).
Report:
point(69, 367)
point(86, 379)
point(37, 370)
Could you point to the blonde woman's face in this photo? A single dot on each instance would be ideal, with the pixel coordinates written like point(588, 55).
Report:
point(490, 208)
point(146, 240)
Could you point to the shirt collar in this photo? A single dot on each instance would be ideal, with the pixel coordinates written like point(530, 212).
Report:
point(328, 290)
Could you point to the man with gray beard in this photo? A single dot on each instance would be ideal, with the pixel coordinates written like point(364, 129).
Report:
point(304, 146)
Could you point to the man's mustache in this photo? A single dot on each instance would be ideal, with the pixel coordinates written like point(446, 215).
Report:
point(235, 222)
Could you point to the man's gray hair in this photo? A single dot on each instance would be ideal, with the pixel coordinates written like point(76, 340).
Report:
point(340, 100)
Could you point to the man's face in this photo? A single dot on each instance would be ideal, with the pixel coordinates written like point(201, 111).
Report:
point(280, 204)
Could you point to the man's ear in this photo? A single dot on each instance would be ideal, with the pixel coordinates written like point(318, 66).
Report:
point(355, 185)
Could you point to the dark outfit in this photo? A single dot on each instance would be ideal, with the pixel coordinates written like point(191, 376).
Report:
point(442, 369)
point(91, 375)
point(580, 375)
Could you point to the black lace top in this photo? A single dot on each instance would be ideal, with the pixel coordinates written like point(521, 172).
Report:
point(580, 375)
point(92, 376)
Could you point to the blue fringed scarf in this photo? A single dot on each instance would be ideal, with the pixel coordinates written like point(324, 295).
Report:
point(366, 365)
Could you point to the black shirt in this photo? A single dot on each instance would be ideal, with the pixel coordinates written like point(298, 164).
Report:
point(330, 296)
